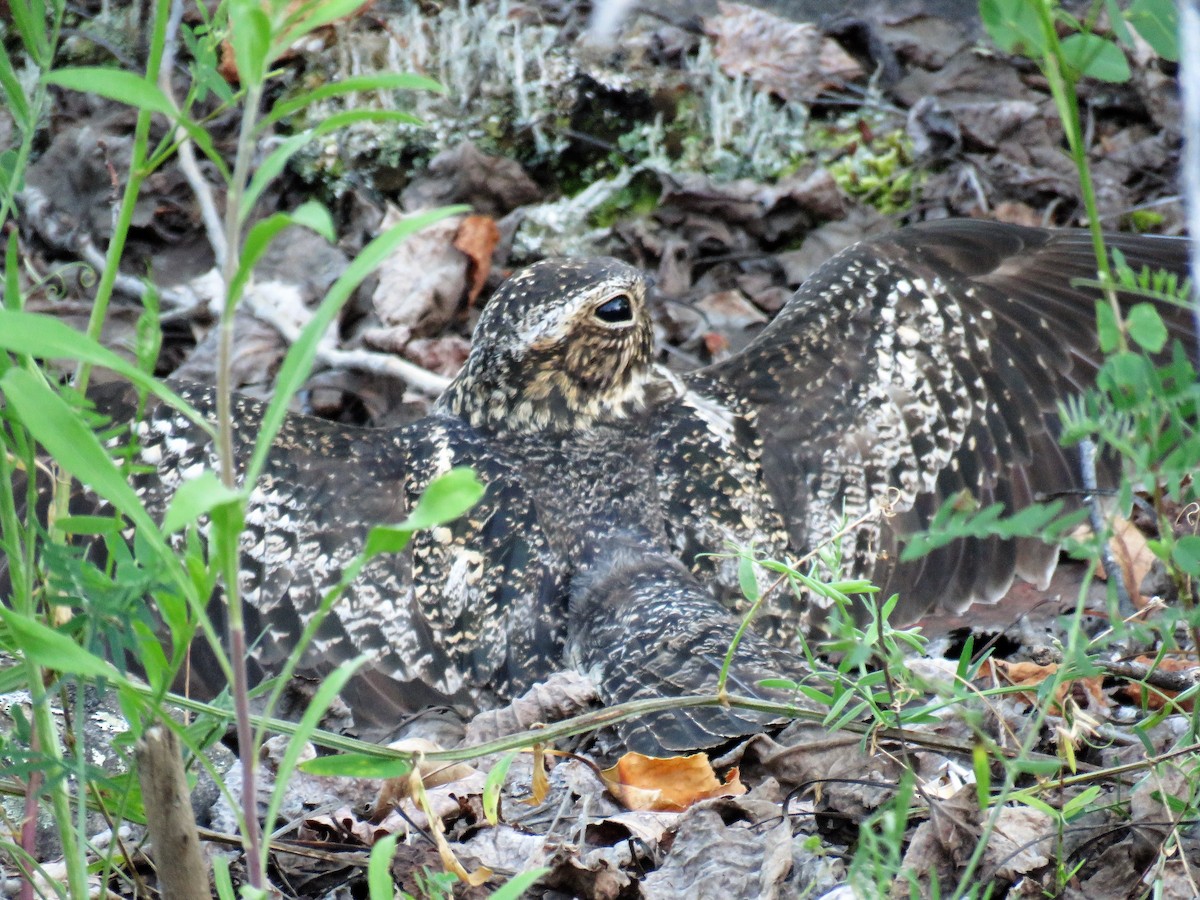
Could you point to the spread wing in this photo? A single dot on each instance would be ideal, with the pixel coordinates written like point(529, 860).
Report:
point(916, 365)
point(449, 621)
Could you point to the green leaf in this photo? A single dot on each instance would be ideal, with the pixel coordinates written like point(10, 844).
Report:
point(447, 497)
point(1116, 19)
point(148, 331)
point(1187, 554)
point(779, 684)
point(358, 765)
point(1030, 798)
point(981, 763)
point(31, 23)
point(61, 430)
point(380, 885)
point(250, 34)
point(1146, 327)
point(1079, 803)
point(257, 241)
point(222, 880)
point(53, 649)
point(299, 359)
point(1042, 768)
point(516, 887)
point(1013, 25)
point(493, 785)
point(205, 76)
point(1096, 57)
point(1126, 371)
point(313, 215)
point(394, 81)
point(747, 580)
point(124, 87)
point(12, 274)
point(18, 104)
point(46, 337)
point(1158, 22)
point(195, 498)
point(88, 525)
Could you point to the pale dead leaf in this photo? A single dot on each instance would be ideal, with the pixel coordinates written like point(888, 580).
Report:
point(729, 310)
point(668, 785)
point(562, 695)
point(791, 59)
point(423, 282)
point(1131, 551)
point(1020, 843)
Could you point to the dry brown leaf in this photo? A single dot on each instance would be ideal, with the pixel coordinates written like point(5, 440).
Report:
point(1017, 213)
point(668, 785)
point(1133, 554)
point(1131, 551)
point(1156, 698)
point(1028, 674)
point(423, 281)
point(716, 343)
point(477, 238)
point(562, 695)
point(540, 785)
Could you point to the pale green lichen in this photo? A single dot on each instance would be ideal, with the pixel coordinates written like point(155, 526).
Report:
point(506, 83)
point(736, 130)
point(512, 88)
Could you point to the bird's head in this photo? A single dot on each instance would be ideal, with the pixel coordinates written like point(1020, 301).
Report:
point(562, 345)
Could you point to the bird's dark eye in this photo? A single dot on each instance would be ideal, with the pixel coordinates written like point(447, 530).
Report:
point(615, 310)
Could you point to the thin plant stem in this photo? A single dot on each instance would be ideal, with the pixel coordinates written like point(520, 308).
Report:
point(1062, 89)
point(124, 218)
point(228, 542)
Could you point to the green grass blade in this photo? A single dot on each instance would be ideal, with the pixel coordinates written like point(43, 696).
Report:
point(45, 337)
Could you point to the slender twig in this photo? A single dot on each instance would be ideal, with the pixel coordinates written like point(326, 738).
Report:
point(359, 359)
point(178, 298)
point(188, 165)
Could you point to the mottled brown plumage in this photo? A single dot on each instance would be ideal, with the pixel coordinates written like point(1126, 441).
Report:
point(906, 369)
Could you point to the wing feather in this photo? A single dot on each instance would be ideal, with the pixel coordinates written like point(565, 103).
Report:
point(459, 618)
point(920, 364)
